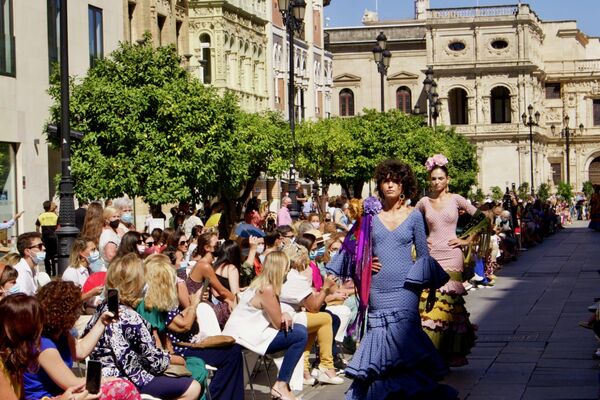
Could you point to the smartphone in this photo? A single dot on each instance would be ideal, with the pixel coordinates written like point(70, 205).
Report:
point(113, 302)
point(93, 376)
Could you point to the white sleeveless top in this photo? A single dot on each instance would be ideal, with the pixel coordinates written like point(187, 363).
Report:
point(249, 326)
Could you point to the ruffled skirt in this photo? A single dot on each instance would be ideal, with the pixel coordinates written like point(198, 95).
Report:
point(448, 326)
point(396, 360)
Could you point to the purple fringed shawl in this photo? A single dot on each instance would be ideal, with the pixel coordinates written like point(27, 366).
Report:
point(357, 253)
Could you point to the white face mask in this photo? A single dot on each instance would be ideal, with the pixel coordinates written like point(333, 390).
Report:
point(260, 248)
point(316, 225)
point(39, 257)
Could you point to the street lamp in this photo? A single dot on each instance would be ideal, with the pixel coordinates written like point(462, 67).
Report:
point(531, 121)
point(67, 232)
point(293, 15)
point(434, 105)
point(382, 58)
point(566, 133)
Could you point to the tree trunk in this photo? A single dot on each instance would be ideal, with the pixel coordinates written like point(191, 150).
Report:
point(357, 188)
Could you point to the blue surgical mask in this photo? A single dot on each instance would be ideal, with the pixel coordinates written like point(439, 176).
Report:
point(14, 289)
point(321, 251)
point(39, 257)
point(183, 264)
point(312, 254)
point(97, 265)
point(332, 254)
point(93, 257)
point(127, 218)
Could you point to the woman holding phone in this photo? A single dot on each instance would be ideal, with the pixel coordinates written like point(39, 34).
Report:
point(61, 305)
point(126, 347)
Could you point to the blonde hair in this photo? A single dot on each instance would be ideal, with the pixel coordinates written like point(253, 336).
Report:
point(274, 269)
point(355, 208)
point(298, 256)
point(126, 274)
point(108, 213)
point(10, 259)
point(162, 280)
point(79, 245)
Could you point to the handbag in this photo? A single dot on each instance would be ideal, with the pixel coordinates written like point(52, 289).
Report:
point(209, 342)
point(177, 370)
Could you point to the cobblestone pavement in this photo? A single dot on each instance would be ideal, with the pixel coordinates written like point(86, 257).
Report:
point(529, 343)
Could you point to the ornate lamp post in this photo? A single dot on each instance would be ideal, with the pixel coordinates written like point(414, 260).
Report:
point(293, 15)
point(67, 231)
point(382, 59)
point(531, 120)
point(434, 104)
point(566, 133)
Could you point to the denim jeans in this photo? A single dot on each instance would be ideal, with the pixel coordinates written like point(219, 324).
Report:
point(293, 343)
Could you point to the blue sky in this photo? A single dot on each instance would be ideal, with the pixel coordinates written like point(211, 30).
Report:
point(349, 12)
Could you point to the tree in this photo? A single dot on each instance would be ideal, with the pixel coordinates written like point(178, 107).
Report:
point(543, 192)
point(152, 130)
point(347, 150)
point(565, 191)
point(497, 193)
point(588, 189)
point(523, 190)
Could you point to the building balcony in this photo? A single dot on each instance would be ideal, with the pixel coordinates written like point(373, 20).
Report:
point(573, 68)
point(472, 12)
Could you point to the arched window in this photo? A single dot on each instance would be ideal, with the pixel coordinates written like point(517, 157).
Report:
point(457, 105)
point(346, 103)
point(403, 100)
point(206, 59)
point(500, 105)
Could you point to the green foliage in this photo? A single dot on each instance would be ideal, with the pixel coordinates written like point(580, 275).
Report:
point(523, 190)
point(588, 189)
point(152, 130)
point(477, 196)
point(565, 191)
point(347, 150)
point(543, 192)
point(497, 193)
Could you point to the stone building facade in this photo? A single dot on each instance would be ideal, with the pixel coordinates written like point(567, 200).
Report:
point(229, 48)
point(490, 64)
point(30, 33)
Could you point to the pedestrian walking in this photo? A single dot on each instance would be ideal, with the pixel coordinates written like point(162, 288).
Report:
point(47, 222)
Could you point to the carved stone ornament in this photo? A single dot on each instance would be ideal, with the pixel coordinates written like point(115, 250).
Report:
point(495, 51)
point(455, 53)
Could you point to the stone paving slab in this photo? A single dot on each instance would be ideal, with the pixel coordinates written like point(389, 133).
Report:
point(529, 346)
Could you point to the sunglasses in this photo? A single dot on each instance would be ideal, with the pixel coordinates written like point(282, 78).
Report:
point(183, 243)
point(149, 243)
point(141, 241)
point(39, 246)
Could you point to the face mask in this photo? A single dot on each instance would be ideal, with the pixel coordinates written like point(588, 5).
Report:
point(39, 257)
point(316, 225)
point(312, 255)
point(260, 248)
point(262, 258)
point(93, 257)
point(114, 224)
point(97, 265)
point(14, 289)
point(141, 248)
point(127, 218)
point(332, 254)
point(321, 251)
point(183, 264)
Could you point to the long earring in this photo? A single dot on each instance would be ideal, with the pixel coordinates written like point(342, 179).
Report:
point(402, 197)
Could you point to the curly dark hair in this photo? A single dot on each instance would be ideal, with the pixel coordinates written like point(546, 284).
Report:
point(20, 332)
point(62, 305)
point(399, 172)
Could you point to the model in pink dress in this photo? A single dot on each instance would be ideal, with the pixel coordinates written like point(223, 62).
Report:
point(447, 324)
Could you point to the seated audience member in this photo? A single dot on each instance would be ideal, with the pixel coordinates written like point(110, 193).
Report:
point(20, 331)
point(180, 326)
point(227, 266)
point(32, 253)
point(61, 306)
point(131, 243)
point(298, 293)
point(258, 324)
point(127, 349)
point(8, 280)
point(83, 254)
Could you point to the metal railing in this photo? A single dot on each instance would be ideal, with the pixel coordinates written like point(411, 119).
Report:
point(471, 12)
